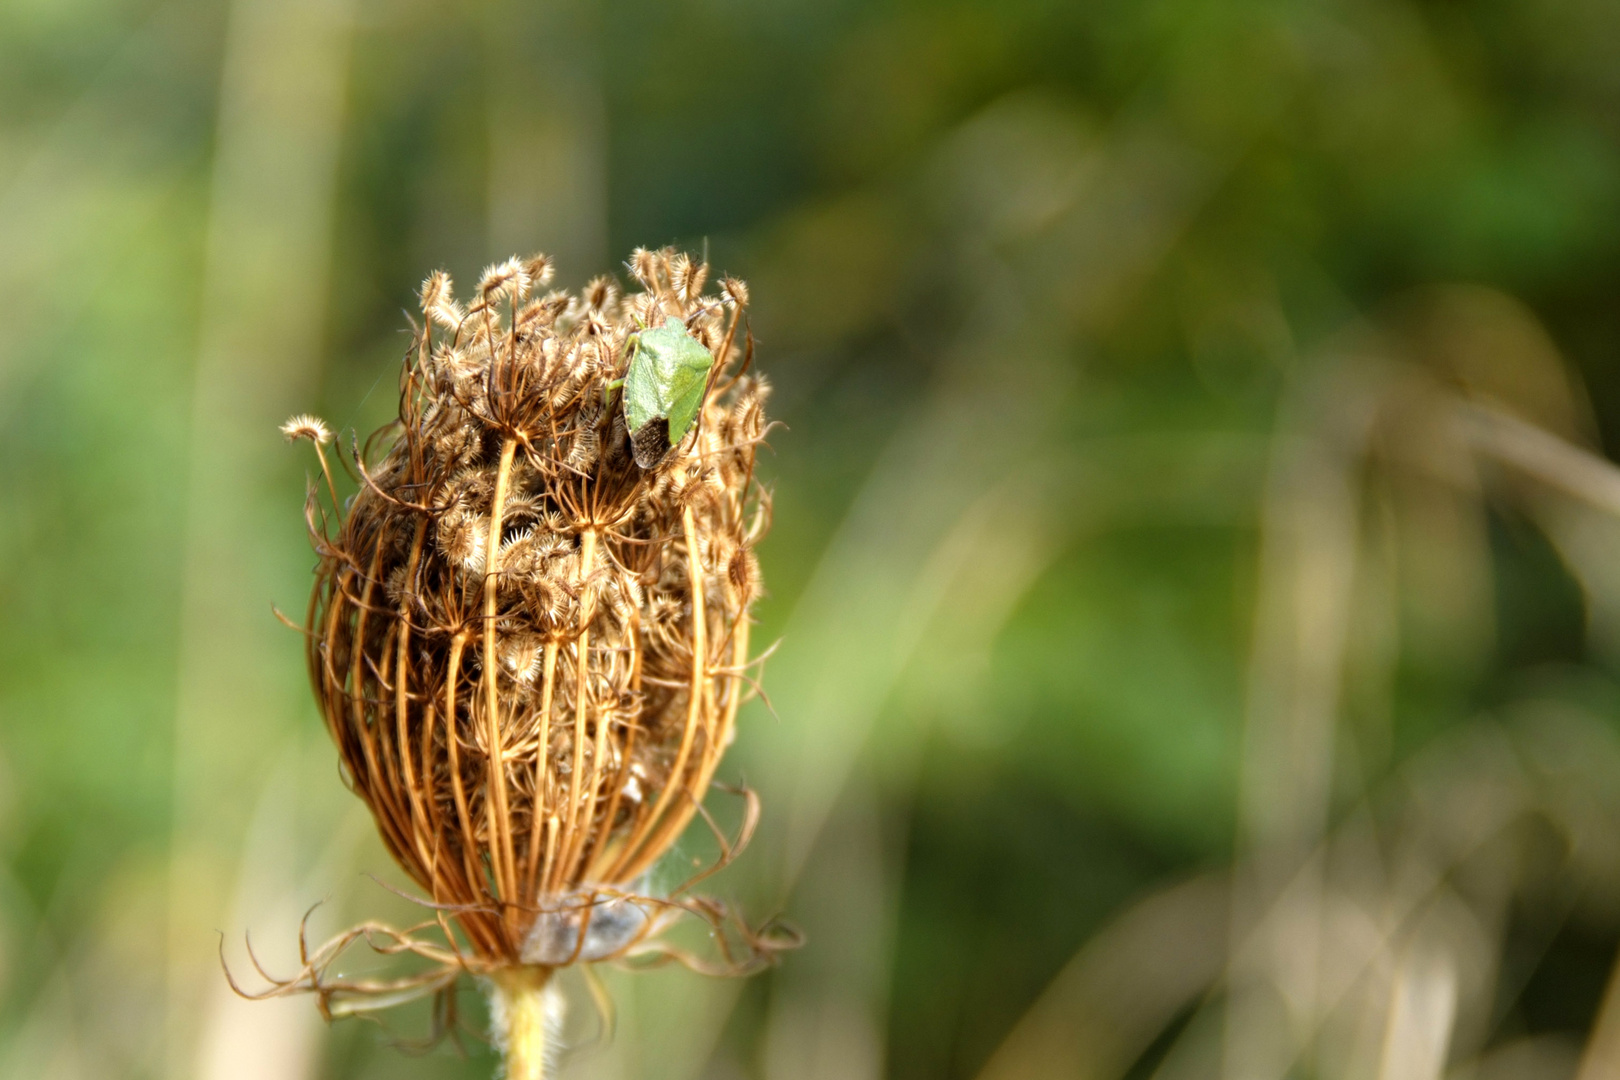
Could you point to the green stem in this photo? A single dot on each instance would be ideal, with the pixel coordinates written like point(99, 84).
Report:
point(523, 999)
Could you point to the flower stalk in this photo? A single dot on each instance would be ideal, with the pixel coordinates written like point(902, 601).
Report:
point(526, 1017)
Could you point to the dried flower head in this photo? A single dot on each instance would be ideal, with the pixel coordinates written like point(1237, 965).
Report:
point(529, 648)
point(305, 426)
point(540, 269)
point(438, 301)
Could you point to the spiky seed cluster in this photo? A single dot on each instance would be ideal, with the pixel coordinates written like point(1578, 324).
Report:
point(529, 650)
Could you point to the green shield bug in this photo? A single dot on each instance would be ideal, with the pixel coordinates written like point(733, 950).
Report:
point(663, 390)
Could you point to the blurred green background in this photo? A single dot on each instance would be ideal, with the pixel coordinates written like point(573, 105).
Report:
point(1195, 563)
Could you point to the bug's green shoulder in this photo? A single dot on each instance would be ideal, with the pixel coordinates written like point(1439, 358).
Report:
point(670, 347)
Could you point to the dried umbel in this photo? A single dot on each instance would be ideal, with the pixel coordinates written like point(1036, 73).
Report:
point(529, 629)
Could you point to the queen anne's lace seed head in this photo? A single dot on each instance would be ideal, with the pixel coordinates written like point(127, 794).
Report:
point(529, 649)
